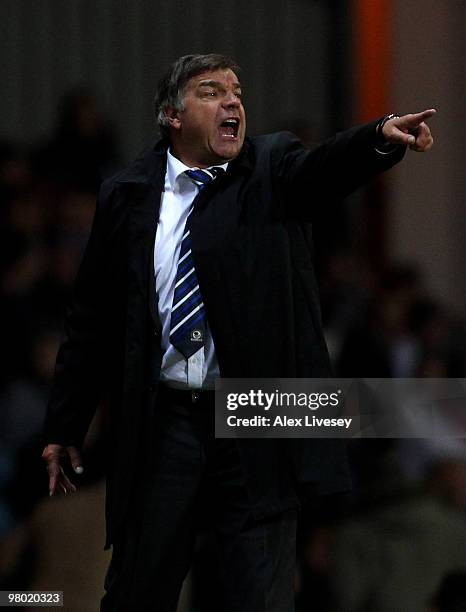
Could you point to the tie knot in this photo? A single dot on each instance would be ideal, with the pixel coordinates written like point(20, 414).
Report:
point(202, 177)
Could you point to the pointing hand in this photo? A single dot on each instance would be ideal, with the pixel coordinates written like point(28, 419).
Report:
point(411, 130)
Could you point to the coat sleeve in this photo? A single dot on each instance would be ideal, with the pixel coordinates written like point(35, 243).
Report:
point(79, 373)
point(332, 169)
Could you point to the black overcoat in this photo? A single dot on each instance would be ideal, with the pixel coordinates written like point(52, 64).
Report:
point(251, 246)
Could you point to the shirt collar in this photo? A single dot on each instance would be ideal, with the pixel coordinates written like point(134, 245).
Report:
point(175, 168)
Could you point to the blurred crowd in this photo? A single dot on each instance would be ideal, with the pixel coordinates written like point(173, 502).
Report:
point(47, 201)
point(397, 542)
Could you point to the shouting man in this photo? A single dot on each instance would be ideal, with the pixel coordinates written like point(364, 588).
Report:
point(199, 266)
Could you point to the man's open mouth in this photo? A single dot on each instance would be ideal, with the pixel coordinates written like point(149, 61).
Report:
point(229, 128)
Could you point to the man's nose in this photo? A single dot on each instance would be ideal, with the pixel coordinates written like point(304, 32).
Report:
point(231, 100)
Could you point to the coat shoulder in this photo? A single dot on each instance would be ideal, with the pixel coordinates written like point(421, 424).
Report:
point(276, 142)
point(270, 150)
point(140, 172)
point(142, 169)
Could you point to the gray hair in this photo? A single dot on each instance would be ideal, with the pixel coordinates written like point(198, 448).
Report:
point(172, 86)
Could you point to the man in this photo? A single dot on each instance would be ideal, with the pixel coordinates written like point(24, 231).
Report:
point(167, 299)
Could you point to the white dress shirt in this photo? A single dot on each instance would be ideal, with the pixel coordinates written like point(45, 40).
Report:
point(201, 369)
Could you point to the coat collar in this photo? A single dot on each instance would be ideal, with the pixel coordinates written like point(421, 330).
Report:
point(151, 164)
point(148, 167)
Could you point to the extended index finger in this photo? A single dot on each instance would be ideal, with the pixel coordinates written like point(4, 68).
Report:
point(417, 118)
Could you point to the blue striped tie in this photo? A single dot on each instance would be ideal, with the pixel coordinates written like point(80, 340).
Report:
point(188, 318)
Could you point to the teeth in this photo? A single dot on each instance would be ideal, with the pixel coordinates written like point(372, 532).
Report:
point(232, 123)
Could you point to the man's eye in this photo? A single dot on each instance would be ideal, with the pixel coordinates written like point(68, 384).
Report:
point(211, 93)
point(239, 95)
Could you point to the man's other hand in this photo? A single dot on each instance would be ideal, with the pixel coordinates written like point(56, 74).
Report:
point(53, 455)
point(411, 130)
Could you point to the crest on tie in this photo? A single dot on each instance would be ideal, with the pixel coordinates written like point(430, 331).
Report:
point(196, 335)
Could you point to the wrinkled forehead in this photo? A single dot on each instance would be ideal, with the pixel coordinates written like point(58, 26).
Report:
point(221, 77)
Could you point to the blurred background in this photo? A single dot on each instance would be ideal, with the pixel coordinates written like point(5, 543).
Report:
point(78, 79)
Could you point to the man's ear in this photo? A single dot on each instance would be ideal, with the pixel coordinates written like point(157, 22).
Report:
point(173, 118)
